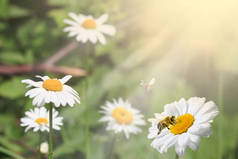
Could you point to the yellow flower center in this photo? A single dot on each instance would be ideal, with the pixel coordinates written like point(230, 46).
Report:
point(89, 24)
point(122, 115)
point(41, 121)
point(183, 122)
point(52, 85)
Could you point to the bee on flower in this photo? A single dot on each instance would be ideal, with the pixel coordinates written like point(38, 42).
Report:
point(87, 28)
point(51, 90)
point(121, 117)
point(38, 120)
point(182, 124)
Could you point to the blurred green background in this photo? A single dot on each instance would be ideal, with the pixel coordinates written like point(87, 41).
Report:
point(189, 46)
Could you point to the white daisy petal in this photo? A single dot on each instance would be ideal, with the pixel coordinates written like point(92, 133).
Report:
point(43, 77)
point(194, 142)
point(207, 108)
point(102, 19)
point(74, 16)
point(65, 79)
point(32, 83)
point(101, 38)
point(180, 150)
point(107, 29)
point(70, 22)
point(171, 109)
point(93, 38)
point(195, 104)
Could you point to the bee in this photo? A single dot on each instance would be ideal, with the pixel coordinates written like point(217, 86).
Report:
point(148, 85)
point(165, 123)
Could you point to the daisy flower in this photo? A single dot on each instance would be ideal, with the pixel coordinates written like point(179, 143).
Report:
point(121, 117)
point(193, 120)
point(51, 90)
point(88, 28)
point(38, 119)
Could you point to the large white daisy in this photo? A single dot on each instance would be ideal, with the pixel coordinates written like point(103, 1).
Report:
point(51, 90)
point(121, 117)
point(38, 119)
point(193, 120)
point(88, 28)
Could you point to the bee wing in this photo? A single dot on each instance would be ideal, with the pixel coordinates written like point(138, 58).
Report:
point(160, 128)
point(142, 83)
point(152, 81)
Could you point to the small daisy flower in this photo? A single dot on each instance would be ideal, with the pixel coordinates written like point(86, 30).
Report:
point(38, 119)
point(44, 148)
point(193, 120)
point(121, 117)
point(51, 90)
point(88, 28)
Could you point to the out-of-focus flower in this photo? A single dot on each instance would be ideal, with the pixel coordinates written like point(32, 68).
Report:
point(193, 120)
point(51, 90)
point(121, 117)
point(88, 28)
point(44, 147)
point(147, 85)
point(38, 119)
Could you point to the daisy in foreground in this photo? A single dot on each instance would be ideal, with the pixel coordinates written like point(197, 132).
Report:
point(51, 90)
point(88, 28)
point(38, 119)
point(121, 117)
point(182, 124)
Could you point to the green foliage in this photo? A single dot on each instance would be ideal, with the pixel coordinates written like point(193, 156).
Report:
point(12, 89)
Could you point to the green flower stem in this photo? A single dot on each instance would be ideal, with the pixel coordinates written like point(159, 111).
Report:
point(86, 84)
point(51, 133)
point(221, 115)
point(177, 156)
point(39, 153)
point(112, 145)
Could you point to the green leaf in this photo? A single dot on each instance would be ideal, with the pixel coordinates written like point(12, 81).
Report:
point(11, 146)
point(58, 16)
point(12, 58)
point(4, 8)
point(12, 89)
point(29, 58)
point(16, 11)
point(10, 153)
point(5, 120)
point(69, 147)
point(3, 26)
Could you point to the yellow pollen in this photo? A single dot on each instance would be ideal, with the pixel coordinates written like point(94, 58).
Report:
point(52, 85)
point(89, 24)
point(183, 122)
point(122, 115)
point(41, 121)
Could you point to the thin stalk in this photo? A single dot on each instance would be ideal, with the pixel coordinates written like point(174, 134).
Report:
point(51, 133)
point(221, 114)
point(112, 145)
point(177, 156)
point(87, 132)
point(39, 153)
